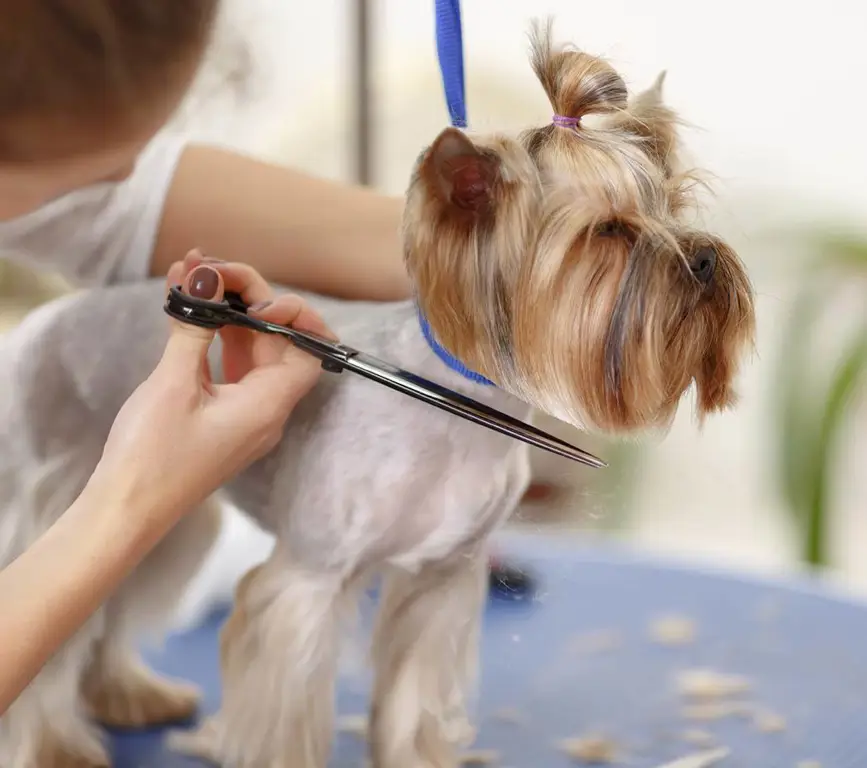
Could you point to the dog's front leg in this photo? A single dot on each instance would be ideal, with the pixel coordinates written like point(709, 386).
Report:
point(279, 651)
point(425, 652)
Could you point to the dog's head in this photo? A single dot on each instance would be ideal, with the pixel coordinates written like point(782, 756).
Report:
point(559, 264)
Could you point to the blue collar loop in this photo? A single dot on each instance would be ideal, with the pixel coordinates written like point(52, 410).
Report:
point(447, 357)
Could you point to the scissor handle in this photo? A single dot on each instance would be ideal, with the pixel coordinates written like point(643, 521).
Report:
point(201, 312)
point(233, 311)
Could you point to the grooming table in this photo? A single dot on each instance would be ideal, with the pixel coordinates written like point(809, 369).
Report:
point(578, 657)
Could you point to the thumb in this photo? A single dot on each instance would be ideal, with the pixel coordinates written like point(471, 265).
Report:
point(187, 347)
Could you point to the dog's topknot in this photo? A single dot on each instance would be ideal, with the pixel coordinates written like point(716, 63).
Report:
point(577, 84)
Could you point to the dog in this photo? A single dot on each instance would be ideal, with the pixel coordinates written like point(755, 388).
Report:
point(556, 266)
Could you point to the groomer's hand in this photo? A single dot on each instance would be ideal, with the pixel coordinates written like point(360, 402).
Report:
point(179, 437)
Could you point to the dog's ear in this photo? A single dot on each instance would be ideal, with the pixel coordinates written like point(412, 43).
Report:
point(652, 97)
point(714, 384)
point(463, 175)
point(648, 117)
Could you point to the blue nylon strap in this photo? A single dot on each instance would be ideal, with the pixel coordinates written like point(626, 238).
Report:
point(450, 50)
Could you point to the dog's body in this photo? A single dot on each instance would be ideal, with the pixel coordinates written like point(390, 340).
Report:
point(559, 265)
point(356, 485)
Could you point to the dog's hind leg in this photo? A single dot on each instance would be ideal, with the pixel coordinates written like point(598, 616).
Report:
point(46, 726)
point(119, 688)
point(425, 651)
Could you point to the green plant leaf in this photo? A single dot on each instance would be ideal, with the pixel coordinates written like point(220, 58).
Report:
point(794, 415)
point(844, 383)
point(808, 417)
point(800, 413)
point(843, 251)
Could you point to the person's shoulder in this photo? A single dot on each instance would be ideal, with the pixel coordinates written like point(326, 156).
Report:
point(158, 158)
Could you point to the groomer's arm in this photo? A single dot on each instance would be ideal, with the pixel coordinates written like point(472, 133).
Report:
point(50, 590)
point(296, 230)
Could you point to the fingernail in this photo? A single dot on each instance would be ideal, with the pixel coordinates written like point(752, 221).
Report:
point(203, 282)
point(260, 305)
point(212, 260)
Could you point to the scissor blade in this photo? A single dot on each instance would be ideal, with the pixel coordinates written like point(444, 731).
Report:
point(336, 356)
point(467, 408)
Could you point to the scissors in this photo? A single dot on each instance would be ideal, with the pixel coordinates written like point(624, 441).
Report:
point(337, 358)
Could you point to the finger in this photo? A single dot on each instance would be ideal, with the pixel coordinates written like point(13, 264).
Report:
point(204, 282)
point(237, 277)
point(287, 310)
point(293, 311)
point(237, 350)
point(193, 259)
point(207, 377)
point(243, 279)
point(175, 275)
point(243, 349)
point(187, 347)
point(179, 270)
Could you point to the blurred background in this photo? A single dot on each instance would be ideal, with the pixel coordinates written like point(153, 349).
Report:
point(351, 91)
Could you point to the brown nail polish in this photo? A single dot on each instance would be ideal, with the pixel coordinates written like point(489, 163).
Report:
point(260, 305)
point(204, 283)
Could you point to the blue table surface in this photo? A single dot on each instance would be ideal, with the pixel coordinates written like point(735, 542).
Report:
point(802, 647)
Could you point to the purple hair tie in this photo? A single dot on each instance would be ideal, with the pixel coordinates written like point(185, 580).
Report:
point(566, 122)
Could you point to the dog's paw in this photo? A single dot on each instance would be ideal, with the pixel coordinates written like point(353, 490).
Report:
point(459, 730)
point(200, 743)
point(85, 753)
point(135, 697)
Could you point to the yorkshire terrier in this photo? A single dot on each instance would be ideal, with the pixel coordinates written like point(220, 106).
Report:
point(556, 266)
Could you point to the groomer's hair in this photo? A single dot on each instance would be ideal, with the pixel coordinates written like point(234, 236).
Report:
point(79, 71)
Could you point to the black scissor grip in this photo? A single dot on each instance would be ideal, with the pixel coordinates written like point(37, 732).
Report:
point(233, 311)
point(195, 311)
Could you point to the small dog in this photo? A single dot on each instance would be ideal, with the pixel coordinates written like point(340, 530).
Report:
point(558, 265)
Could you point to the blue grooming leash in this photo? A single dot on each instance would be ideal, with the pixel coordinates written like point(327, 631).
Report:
point(451, 57)
point(450, 50)
point(504, 580)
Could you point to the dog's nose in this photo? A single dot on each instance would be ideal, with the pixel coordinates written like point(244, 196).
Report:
point(704, 265)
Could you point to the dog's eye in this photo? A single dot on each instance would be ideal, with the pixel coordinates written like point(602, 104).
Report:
point(611, 228)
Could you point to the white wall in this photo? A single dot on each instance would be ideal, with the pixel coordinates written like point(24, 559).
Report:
point(775, 96)
point(775, 91)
